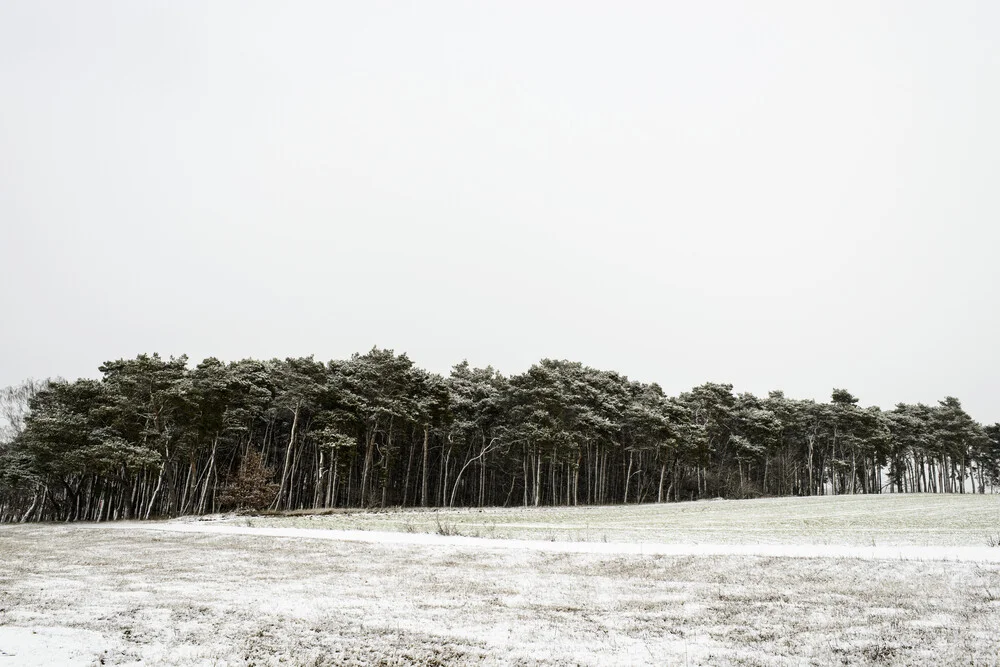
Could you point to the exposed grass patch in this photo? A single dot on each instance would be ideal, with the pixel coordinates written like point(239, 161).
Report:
point(446, 528)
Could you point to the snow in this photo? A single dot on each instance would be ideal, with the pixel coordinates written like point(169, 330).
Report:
point(885, 520)
point(46, 646)
point(777, 582)
point(902, 552)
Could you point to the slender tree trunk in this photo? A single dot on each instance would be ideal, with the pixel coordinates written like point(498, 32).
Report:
point(385, 465)
point(331, 489)
point(191, 477)
point(628, 477)
point(538, 478)
point(366, 468)
point(208, 476)
point(854, 468)
point(424, 494)
point(576, 478)
point(31, 509)
point(159, 484)
point(292, 486)
point(812, 484)
point(289, 453)
point(318, 490)
point(555, 488)
point(525, 463)
point(406, 482)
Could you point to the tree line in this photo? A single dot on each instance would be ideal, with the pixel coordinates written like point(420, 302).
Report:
point(154, 437)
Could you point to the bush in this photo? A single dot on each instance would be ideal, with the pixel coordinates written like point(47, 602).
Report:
point(252, 488)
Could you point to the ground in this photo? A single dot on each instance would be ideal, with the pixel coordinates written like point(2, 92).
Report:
point(566, 586)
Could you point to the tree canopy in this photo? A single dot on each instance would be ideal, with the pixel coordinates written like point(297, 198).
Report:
point(156, 437)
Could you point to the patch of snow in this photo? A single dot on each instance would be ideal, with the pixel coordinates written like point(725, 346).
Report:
point(902, 552)
point(42, 647)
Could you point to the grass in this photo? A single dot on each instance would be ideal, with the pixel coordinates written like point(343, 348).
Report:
point(176, 599)
point(880, 520)
point(443, 527)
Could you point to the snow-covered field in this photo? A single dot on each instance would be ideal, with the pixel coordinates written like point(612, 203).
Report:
point(621, 585)
point(884, 520)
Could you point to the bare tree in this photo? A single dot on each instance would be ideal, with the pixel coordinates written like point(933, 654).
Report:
point(14, 407)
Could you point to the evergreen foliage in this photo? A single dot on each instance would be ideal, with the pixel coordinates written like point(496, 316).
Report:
point(252, 488)
point(154, 437)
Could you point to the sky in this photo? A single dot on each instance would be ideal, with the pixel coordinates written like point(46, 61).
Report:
point(778, 195)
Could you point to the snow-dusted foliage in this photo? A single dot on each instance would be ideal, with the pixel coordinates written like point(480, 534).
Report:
point(154, 437)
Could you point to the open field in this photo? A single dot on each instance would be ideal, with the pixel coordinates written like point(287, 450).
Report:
point(884, 520)
point(125, 594)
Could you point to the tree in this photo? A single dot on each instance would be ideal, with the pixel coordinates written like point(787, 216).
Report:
point(72, 445)
point(16, 478)
point(299, 386)
point(433, 414)
point(757, 430)
point(989, 458)
point(476, 412)
point(713, 410)
point(956, 436)
point(911, 437)
point(380, 388)
point(148, 396)
point(252, 488)
point(15, 407)
point(154, 437)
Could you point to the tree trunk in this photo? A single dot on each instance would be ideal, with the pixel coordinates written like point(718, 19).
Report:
point(809, 464)
point(34, 503)
point(628, 477)
point(406, 482)
point(208, 476)
point(159, 484)
point(366, 468)
point(287, 468)
point(424, 495)
point(538, 479)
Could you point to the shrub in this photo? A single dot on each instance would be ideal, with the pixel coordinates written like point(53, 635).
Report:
point(252, 488)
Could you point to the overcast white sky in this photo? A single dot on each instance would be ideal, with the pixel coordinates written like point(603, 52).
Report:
point(793, 195)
